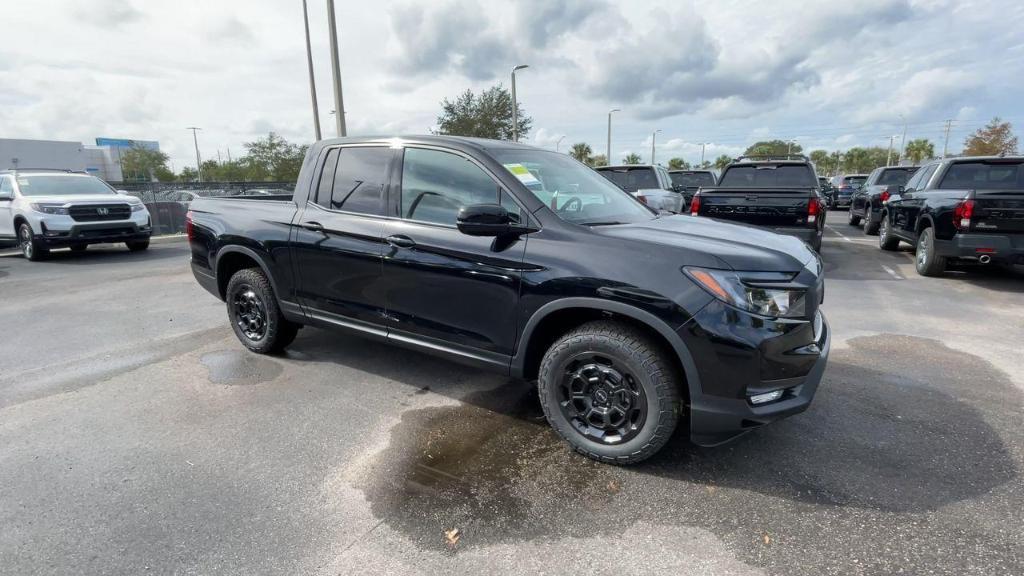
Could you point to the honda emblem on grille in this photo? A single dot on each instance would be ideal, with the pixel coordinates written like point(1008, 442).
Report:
point(103, 211)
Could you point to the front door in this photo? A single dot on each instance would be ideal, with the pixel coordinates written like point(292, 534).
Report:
point(444, 288)
point(337, 243)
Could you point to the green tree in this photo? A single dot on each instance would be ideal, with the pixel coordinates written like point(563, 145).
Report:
point(678, 164)
point(484, 115)
point(706, 165)
point(164, 174)
point(632, 158)
point(722, 161)
point(772, 148)
point(599, 160)
point(821, 160)
point(188, 174)
point(918, 150)
point(272, 158)
point(864, 160)
point(581, 151)
point(994, 139)
point(140, 164)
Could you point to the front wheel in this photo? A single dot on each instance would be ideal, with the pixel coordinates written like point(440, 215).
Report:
point(610, 391)
point(928, 263)
point(31, 249)
point(886, 241)
point(137, 246)
point(254, 314)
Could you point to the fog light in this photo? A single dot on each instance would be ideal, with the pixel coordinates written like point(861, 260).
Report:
point(766, 397)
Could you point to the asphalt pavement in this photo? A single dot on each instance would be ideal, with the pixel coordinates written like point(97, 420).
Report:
point(137, 436)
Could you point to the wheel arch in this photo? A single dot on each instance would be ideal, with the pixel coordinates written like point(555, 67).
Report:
point(231, 259)
point(557, 317)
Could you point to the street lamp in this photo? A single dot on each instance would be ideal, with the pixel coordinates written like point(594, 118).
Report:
point(312, 82)
point(789, 149)
point(559, 142)
point(608, 158)
point(653, 134)
point(339, 103)
point(702, 153)
point(903, 140)
point(515, 104)
point(888, 155)
point(199, 164)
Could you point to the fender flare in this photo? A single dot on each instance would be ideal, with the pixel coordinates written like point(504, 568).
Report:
point(236, 249)
point(921, 219)
point(646, 318)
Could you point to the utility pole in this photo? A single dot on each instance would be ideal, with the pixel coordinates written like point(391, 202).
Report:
point(339, 103)
point(888, 156)
point(945, 144)
point(515, 104)
point(653, 135)
point(199, 163)
point(608, 158)
point(559, 142)
point(903, 140)
point(702, 153)
point(312, 82)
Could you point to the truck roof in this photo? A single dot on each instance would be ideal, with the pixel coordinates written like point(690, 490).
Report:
point(625, 167)
point(458, 142)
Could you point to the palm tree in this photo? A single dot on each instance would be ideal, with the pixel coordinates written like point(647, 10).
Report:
point(722, 161)
point(633, 158)
point(918, 150)
point(581, 151)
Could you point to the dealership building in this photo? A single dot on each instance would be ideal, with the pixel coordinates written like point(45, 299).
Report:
point(102, 159)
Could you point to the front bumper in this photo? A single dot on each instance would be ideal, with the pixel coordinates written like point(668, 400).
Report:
point(79, 233)
point(1005, 248)
point(736, 360)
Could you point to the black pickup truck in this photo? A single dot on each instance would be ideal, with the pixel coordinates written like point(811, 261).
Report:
point(866, 201)
point(968, 208)
point(529, 263)
point(780, 194)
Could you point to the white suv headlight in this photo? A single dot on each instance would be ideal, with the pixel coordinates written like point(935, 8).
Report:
point(763, 293)
point(138, 207)
point(49, 208)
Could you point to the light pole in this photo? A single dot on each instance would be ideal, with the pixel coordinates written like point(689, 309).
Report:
point(515, 104)
point(702, 153)
point(339, 103)
point(789, 149)
point(312, 82)
point(903, 140)
point(199, 163)
point(653, 134)
point(888, 156)
point(608, 158)
point(559, 142)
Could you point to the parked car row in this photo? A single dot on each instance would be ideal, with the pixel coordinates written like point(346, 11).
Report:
point(958, 209)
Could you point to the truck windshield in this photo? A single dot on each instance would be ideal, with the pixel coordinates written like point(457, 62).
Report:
point(984, 175)
point(631, 178)
point(769, 176)
point(896, 176)
point(692, 179)
point(573, 191)
point(61, 185)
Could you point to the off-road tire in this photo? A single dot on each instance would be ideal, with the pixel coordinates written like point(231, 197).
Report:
point(650, 366)
point(279, 332)
point(927, 262)
point(138, 246)
point(886, 241)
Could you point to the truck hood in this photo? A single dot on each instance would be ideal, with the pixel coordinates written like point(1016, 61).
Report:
point(737, 246)
point(82, 199)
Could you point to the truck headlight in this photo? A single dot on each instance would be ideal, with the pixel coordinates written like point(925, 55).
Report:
point(49, 208)
point(763, 293)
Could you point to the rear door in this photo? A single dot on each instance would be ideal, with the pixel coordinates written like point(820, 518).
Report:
point(6, 217)
point(909, 206)
point(443, 288)
point(338, 244)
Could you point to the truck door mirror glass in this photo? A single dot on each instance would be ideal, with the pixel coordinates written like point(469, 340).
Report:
point(489, 220)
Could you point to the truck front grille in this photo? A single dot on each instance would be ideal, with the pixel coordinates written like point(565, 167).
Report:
point(99, 212)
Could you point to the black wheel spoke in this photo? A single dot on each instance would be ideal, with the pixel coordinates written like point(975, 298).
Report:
point(602, 400)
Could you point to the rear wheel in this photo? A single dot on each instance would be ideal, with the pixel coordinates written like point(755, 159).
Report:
point(30, 247)
point(886, 241)
point(854, 218)
point(928, 263)
point(610, 392)
point(255, 316)
point(870, 228)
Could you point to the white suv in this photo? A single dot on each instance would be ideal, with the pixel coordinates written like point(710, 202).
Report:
point(44, 209)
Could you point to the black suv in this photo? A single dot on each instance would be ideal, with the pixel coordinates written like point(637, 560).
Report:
point(526, 262)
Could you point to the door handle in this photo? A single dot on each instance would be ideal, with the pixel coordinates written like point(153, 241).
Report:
point(400, 241)
point(314, 226)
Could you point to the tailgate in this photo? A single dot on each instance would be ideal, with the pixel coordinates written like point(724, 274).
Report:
point(762, 207)
point(998, 211)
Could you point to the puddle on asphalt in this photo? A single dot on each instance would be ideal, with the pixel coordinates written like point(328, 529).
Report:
point(927, 433)
point(239, 367)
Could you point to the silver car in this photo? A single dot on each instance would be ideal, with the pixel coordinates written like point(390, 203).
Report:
point(648, 184)
point(44, 209)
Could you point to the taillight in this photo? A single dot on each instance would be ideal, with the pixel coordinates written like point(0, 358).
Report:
point(884, 196)
point(188, 225)
point(695, 205)
point(642, 199)
point(962, 214)
point(813, 209)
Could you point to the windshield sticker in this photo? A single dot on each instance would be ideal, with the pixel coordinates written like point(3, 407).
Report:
point(521, 172)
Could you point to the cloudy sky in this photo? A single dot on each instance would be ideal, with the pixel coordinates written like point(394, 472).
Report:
point(724, 72)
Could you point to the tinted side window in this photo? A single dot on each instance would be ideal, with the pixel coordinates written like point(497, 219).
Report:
point(5, 184)
point(359, 180)
point(323, 190)
point(435, 185)
point(926, 175)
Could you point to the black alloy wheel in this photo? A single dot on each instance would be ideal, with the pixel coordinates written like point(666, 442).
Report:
point(601, 400)
point(250, 313)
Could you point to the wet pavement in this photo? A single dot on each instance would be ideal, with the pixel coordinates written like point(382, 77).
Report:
point(158, 444)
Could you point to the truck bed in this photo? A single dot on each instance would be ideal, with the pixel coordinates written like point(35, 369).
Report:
point(770, 207)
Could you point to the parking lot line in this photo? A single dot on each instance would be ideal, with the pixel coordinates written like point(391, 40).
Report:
point(838, 233)
point(892, 272)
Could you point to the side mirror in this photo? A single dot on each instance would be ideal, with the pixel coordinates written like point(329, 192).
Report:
point(489, 220)
point(122, 192)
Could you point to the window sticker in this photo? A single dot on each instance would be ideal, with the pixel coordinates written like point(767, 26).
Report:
point(524, 175)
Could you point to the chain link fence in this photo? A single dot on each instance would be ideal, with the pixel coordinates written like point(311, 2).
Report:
point(168, 202)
